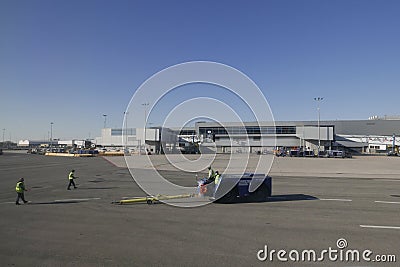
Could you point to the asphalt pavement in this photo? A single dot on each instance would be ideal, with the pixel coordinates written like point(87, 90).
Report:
point(83, 228)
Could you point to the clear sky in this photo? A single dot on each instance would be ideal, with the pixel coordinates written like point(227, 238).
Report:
point(70, 62)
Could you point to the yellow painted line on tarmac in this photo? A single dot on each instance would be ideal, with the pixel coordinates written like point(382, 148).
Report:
point(153, 198)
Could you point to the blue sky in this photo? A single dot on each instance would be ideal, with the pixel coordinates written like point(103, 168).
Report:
point(69, 62)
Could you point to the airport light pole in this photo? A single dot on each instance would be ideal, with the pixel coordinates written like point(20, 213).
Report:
point(393, 145)
point(145, 122)
point(51, 136)
point(126, 129)
point(4, 129)
point(319, 99)
point(105, 120)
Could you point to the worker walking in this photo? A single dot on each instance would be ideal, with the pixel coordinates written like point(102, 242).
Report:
point(71, 178)
point(217, 178)
point(20, 188)
point(211, 173)
point(212, 177)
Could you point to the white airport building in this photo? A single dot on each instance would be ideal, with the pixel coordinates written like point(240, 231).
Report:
point(376, 135)
point(158, 139)
point(362, 136)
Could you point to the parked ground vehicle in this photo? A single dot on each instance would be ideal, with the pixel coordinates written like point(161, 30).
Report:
point(240, 188)
point(296, 153)
point(280, 152)
point(337, 154)
point(392, 153)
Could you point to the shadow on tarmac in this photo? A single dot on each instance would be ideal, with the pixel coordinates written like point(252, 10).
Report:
point(291, 197)
point(274, 198)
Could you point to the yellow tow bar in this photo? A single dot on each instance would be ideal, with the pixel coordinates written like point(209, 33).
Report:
point(152, 199)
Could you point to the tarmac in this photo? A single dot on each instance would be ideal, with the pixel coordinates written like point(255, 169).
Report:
point(315, 203)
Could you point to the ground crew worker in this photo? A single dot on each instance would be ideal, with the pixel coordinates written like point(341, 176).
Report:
point(211, 173)
point(217, 181)
point(20, 188)
point(217, 178)
point(71, 178)
point(212, 176)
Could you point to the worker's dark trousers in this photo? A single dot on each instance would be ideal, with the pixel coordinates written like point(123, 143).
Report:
point(71, 182)
point(20, 196)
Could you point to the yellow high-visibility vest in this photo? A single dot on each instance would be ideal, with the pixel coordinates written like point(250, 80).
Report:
point(71, 176)
point(217, 178)
point(19, 188)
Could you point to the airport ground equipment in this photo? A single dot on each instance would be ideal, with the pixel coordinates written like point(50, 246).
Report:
point(151, 199)
point(232, 188)
point(235, 188)
point(335, 154)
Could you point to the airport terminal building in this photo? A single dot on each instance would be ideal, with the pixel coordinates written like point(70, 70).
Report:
point(154, 140)
point(360, 136)
point(263, 137)
point(364, 136)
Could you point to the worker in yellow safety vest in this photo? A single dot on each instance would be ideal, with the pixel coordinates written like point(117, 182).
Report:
point(212, 177)
point(217, 178)
point(20, 188)
point(71, 178)
point(216, 182)
point(211, 173)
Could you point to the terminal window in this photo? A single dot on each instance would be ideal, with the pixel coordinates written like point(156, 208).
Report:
point(118, 132)
point(248, 130)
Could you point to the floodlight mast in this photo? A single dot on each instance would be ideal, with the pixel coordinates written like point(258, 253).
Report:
point(319, 99)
